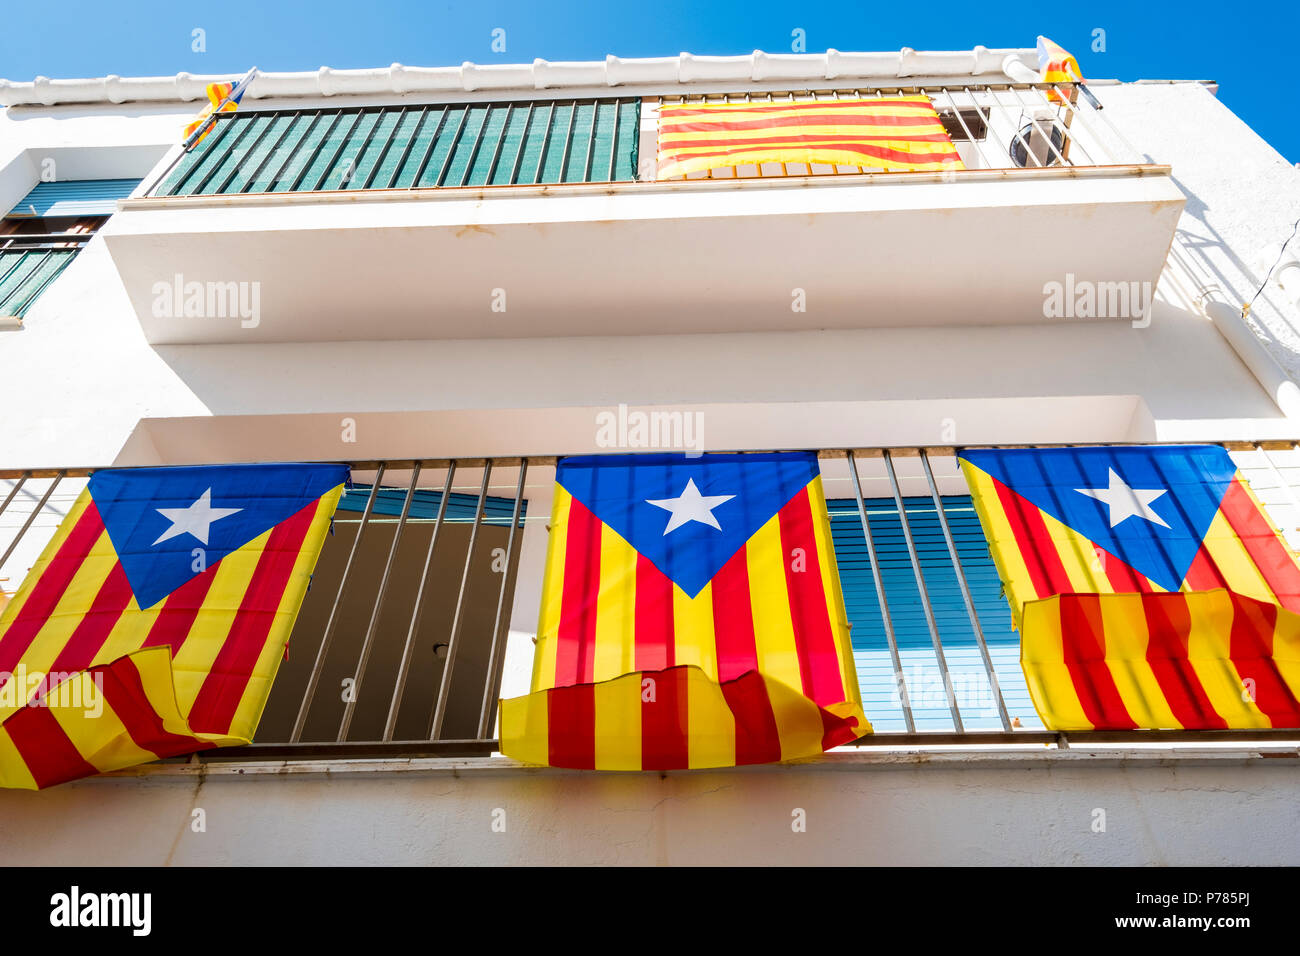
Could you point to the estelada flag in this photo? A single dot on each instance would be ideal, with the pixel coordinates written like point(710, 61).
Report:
point(1149, 587)
point(691, 617)
point(154, 621)
point(899, 133)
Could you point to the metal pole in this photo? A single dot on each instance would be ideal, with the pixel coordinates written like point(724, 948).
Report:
point(492, 683)
point(404, 669)
point(1272, 466)
point(22, 480)
point(31, 517)
point(453, 643)
point(965, 593)
point(890, 637)
point(970, 135)
point(350, 706)
point(925, 594)
point(319, 666)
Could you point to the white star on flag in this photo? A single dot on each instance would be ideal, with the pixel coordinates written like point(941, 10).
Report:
point(689, 506)
point(196, 519)
point(1124, 502)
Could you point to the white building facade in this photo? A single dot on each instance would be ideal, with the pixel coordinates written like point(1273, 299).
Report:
point(476, 267)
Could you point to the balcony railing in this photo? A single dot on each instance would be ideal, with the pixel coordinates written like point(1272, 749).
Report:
point(547, 142)
point(400, 646)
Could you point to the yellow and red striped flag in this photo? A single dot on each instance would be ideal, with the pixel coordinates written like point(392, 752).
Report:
point(1057, 65)
point(1149, 587)
point(223, 98)
point(902, 133)
point(691, 617)
point(155, 620)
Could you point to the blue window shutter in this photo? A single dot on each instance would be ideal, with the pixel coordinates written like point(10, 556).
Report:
point(75, 197)
point(957, 636)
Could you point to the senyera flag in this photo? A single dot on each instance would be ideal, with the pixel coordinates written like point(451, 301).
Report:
point(1149, 586)
point(691, 617)
point(222, 98)
point(154, 621)
point(900, 133)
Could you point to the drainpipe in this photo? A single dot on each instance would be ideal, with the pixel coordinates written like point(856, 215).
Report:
point(1016, 70)
point(1232, 326)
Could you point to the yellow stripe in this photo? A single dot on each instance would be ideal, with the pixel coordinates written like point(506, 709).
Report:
point(712, 737)
point(192, 664)
point(615, 651)
point(892, 105)
point(548, 624)
point(1124, 625)
point(1286, 649)
point(98, 734)
point(524, 728)
point(249, 712)
point(798, 720)
point(618, 723)
point(13, 769)
point(61, 533)
point(694, 635)
point(1233, 561)
point(1042, 658)
point(1007, 557)
point(1208, 648)
point(1078, 557)
point(882, 135)
point(67, 614)
point(777, 652)
point(835, 611)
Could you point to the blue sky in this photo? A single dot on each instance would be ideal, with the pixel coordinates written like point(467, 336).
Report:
point(1249, 48)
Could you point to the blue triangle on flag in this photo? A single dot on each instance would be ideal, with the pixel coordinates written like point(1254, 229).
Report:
point(157, 517)
point(687, 515)
point(1148, 505)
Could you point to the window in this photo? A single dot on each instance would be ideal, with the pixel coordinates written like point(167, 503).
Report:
point(46, 230)
point(478, 144)
point(916, 650)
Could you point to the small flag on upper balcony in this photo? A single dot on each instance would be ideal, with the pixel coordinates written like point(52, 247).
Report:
point(1057, 65)
point(222, 98)
point(154, 621)
point(691, 617)
point(901, 133)
point(1149, 587)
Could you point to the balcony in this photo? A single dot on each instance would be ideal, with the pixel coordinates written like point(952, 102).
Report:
point(427, 593)
point(542, 218)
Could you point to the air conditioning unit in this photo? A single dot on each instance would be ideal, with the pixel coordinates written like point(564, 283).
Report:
point(1040, 142)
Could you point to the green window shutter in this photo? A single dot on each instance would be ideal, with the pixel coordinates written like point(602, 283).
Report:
point(474, 144)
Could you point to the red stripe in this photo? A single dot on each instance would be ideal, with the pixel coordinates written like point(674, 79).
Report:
point(1169, 627)
point(1273, 559)
point(49, 588)
point(820, 106)
point(733, 619)
point(1036, 547)
point(1122, 577)
point(1204, 575)
point(814, 641)
point(665, 724)
point(218, 699)
point(176, 617)
point(654, 648)
point(757, 738)
point(571, 724)
point(879, 152)
point(1084, 644)
point(1250, 649)
point(905, 123)
point(92, 630)
point(49, 754)
point(124, 693)
point(575, 641)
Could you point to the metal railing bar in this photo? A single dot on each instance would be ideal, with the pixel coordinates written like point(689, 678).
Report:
point(13, 493)
point(501, 142)
point(966, 595)
point(40, 506)
point(406, 152)
point(321, 652)
point(212, 140)
point(388, 144)
point(350, 706)
point(568, 140)
point(519, 150)
point(591, 143)
point(428, 150)
point(234, 170)
point(890, 638)
point(1015, 126)
point(229, 153)
point(546, 143)
point(338, 151)
point(271, 152)
point(417, 612)
point(478, 145)
point(613, 141)
point(1075, 113)
point(492, 683)
point(970, 136)
point(290, 154)
point(925, 593)
point(325, 138)
point(452, 147)
point(1054, 124)
point(458, 619)
point(22, 258)
point(1272, 467)
point(33, 296)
